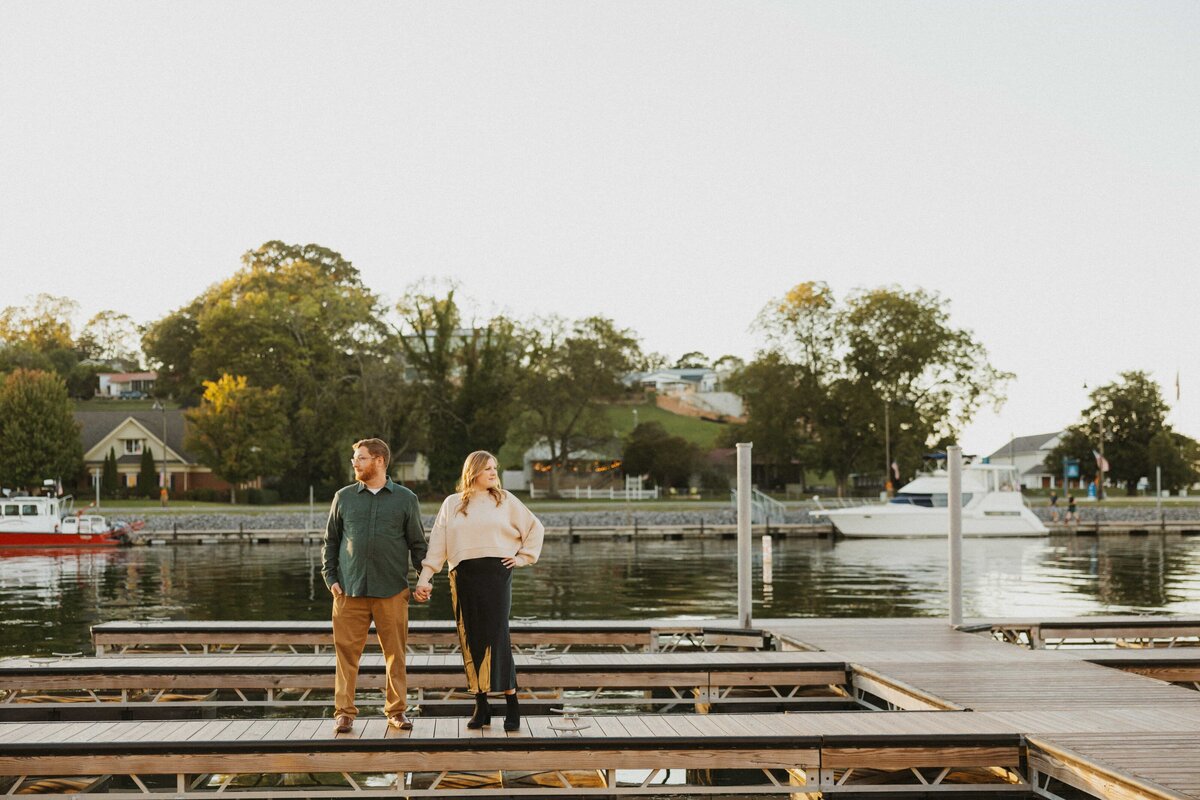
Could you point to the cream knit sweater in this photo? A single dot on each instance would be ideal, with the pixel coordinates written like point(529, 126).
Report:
point(509, 529)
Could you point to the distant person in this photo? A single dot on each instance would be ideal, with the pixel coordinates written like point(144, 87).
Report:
point(1054, 506)
point(162, 496)
point(483, 532)
point(374, 529)
point(1072, 510)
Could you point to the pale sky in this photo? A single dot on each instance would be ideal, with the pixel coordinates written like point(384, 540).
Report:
point(671, 165)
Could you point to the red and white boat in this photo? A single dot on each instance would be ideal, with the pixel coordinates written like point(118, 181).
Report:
point(47, 522)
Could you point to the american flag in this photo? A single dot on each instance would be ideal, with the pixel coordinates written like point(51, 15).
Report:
point(1101, 461)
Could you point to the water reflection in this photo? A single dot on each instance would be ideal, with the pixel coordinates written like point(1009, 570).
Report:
point(49, 600)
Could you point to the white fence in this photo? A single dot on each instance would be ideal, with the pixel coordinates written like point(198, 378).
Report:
point(588, 493)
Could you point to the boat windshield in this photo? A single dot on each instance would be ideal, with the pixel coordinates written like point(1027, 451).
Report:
point(926, 500)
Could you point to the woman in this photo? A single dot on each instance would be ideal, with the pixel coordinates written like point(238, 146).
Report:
point(483, 532)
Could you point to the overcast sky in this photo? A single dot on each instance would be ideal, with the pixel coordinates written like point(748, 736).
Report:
point(672, 165)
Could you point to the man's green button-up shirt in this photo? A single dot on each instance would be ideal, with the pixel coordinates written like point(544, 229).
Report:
point(370, 538)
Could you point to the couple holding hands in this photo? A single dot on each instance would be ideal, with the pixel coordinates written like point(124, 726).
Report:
point(373, 532)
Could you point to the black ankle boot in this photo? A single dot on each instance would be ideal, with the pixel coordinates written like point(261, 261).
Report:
point(512, 713)
point(483, 712)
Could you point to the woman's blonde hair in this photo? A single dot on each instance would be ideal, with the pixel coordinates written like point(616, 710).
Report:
point(475, 464)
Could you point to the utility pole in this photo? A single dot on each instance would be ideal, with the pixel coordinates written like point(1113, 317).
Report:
point(887, 447)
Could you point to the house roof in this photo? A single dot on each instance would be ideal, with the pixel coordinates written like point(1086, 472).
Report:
point(1025, 445)
point(692, 375)
point(95, 425)
point(125, 377)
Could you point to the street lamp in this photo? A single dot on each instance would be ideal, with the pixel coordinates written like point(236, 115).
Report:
point(158, 406)
point(1100, 462)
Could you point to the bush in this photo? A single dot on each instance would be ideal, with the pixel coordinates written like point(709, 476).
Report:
point(714, 482)
point(205, 495)
point(261, 497)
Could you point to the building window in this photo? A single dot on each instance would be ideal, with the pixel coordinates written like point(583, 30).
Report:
point(133, 447)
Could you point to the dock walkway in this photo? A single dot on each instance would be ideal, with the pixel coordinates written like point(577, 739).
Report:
point(1145, 740)
point(943, 711)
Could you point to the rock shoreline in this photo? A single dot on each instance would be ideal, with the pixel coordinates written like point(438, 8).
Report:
point(230, 521)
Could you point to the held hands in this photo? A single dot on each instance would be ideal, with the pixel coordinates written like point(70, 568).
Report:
point(423, 592)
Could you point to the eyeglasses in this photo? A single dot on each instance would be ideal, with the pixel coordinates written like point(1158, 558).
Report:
point(357, 459)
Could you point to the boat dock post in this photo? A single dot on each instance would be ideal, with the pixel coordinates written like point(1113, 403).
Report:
point(954, 501)
point(745, 611)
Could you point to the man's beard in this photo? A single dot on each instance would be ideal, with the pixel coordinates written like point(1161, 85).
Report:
point(369, 475)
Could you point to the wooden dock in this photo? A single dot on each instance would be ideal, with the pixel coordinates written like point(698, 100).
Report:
point(573, 533)
point(44, 689)
point(941, 711)
point(240, 636)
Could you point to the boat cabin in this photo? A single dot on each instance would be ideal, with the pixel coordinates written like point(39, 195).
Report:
point(30, 514)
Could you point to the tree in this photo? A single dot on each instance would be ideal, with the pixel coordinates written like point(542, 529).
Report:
point(1126, 415)
point(170, 342)
point(775, 409)
point(294, 316)
point(239, 431)
point(109, 477)
point(39, 438)
point(693, 360)
point(840, 385)
point(44, 325)
point(147, 479)
point(652, 362)
point(464, 378)
point(902, 344)
point(1177, 456)
point(668, 460)
point(570, 372)
point(110, 336)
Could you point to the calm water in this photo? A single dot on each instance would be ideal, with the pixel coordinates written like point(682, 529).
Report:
point(48, 602)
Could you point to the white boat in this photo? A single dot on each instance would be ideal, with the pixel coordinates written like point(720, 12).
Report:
point(991, 498)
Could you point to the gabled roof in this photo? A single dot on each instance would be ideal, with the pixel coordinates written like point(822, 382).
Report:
point(1023, 445)
point(94, 426)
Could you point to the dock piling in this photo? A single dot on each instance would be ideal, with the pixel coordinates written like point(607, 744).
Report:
point(745, 613)
point(954, 501)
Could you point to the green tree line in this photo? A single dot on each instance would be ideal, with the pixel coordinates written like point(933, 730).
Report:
point(291, 358)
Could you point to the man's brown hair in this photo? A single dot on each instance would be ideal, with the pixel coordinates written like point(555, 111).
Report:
point(376, 447)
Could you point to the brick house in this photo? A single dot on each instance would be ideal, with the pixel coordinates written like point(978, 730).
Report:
point(128, 434)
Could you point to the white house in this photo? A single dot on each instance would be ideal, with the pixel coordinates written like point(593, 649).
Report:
point(116, 384)
point(1028, 454)
point(675, 381)
point(410, 467)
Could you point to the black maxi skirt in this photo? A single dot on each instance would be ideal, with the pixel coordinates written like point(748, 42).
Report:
point(481, 593)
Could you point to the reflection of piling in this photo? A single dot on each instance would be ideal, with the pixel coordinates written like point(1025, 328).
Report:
point(767, 566)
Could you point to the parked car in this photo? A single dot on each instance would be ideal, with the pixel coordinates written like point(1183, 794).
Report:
point(134, 395)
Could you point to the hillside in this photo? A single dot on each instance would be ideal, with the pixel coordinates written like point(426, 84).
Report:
point(697, 431)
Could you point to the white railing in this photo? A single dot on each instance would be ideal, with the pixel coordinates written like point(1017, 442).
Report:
point(763, 508)
point(588, 493)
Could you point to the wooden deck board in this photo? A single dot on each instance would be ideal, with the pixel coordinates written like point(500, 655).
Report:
point(1111, 719)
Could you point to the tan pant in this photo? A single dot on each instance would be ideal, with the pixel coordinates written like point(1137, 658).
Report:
point(352, 617)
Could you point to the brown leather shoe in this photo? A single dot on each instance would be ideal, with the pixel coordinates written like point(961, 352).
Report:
point(400, 722)
point(343, 723)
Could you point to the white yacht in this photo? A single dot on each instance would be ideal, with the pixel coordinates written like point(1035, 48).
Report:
point(991, 498)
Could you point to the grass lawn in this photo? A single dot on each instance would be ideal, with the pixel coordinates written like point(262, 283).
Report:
point(698, 431)
point(114, 404)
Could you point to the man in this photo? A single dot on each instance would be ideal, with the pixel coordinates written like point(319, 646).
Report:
point(374, 530)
